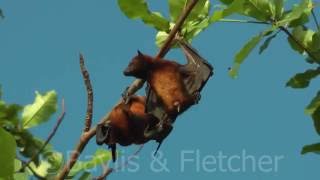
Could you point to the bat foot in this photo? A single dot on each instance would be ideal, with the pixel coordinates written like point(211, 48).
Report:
point(178, 106)
point(103, 136)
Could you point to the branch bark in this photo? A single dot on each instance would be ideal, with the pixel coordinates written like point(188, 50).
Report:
point(135, 86)
point(87, 83)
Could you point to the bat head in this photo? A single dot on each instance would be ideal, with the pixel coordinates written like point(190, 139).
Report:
point(138, 66)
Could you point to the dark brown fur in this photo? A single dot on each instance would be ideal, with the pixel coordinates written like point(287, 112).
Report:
point(165, 79)
point(126, 125)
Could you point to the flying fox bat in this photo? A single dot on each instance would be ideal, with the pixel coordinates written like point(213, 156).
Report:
point(171, 87)
point(126, 125)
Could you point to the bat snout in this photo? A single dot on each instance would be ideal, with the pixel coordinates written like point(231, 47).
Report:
point(127, 71)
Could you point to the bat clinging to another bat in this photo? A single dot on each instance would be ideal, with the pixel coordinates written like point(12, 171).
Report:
point(126, 125)
point(171, 87)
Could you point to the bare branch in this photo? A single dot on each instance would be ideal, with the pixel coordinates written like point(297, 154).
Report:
point(84, 139)
point(53, 132)
point(87, 82)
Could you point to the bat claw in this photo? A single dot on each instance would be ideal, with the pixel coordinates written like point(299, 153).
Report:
point(178, 106)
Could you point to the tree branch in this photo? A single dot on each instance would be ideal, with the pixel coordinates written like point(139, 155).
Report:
point(84, 139)
point(136, 85)
point(244, 21)
point(53, 132)
point(87, 82)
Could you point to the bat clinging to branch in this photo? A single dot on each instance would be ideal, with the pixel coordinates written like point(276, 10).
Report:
point(171, 87)
point(126, 125)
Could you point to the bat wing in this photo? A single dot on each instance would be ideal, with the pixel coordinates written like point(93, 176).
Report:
point(197, 70)
point(103, 133)
point(154, 105)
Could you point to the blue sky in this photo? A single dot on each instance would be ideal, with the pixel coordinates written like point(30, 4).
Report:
point(39, 46)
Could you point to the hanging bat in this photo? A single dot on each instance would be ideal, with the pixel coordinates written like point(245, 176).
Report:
point(171, 87)
point(126, 125)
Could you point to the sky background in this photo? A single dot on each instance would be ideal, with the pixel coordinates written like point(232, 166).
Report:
point(40, 43)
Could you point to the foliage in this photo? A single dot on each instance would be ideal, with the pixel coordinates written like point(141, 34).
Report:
point(20, 143)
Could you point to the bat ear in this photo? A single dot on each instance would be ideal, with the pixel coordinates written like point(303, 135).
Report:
point(139, 53)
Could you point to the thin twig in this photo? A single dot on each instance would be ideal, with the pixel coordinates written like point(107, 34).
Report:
point(87, 82)
point(136, 85)
point(285, 30)
point(53, 132)
point(315, 19)
point(243, 21)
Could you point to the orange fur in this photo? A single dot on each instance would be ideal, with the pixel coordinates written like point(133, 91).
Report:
point(167, 83)
point(129, 130)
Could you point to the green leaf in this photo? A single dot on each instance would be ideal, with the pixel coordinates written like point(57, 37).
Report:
point(279, 8)
point(266, 43)
point(302, 80)
point(296, 12)
point(20, 175)
point(161, 38)
point(316, 119)
point(234, 7)
point(192, 29)
point(314, 104)
point(8, 153)
point(55, 159)
point(29, 145)
point(315, 44)
point(303, 36)
point(175, 8)
point(100, 157)
point(313, 148)
point(138, 9)
point(262, 10)
point(302, 20)
point(41, 109)
point(200, 11)
point(42, 169)
point(9, 115)
point(245, 51)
